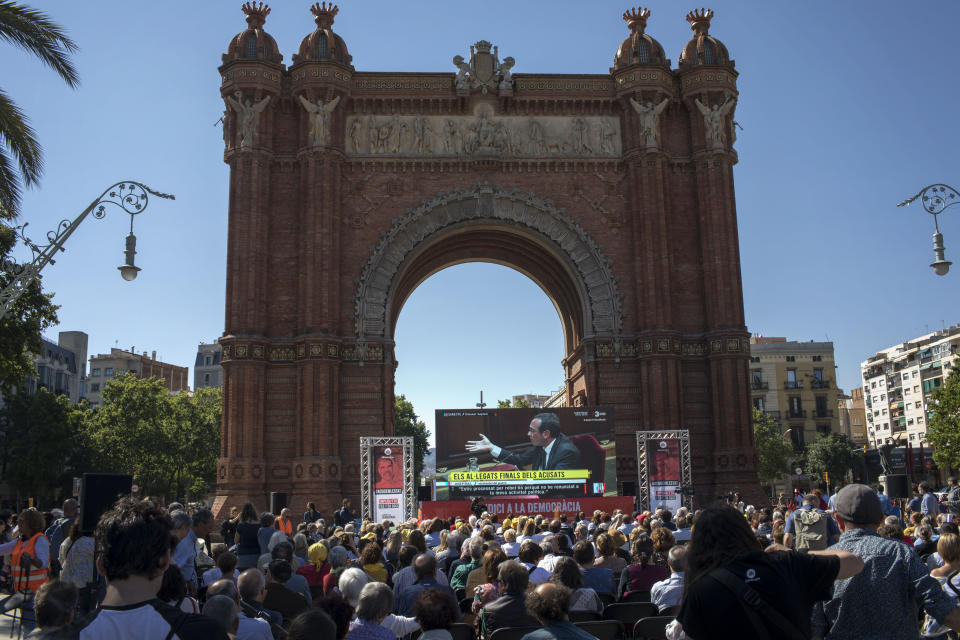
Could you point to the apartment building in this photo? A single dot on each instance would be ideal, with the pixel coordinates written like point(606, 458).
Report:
point(897, 383)
point(61, 366)
point(207, 370)
point(105, 367)
point(795, 383)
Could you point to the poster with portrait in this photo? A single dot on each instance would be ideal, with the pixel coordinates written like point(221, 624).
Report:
point(663, 469)
point(387, 478)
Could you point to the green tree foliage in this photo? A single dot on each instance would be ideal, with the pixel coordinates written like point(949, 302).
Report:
point(169, 443)
point(406, 423)
point(41, 442)
point(773, 449)
point(832, 453)
point(22, 326)
point(943, 427)
point(21, 157)
point(521, 403)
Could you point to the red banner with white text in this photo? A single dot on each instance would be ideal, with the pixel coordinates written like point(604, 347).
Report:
point(528, 506)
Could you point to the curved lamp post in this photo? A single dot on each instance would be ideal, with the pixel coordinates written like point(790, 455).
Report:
point(935, 198)
point(132, 197)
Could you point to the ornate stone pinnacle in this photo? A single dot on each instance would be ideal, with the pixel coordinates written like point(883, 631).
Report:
point(256, 13)
point(324, 13)
point(699, 19)
point(637, 18)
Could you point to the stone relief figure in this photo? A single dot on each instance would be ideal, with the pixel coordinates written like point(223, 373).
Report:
point(398, 130)
point(356, 135)
point(579, 137)
point(537, 146)
point(714, 118)
point(421, 135)
point(464, 76)
point(319, 118)
point(607, 135)
point(249, 113)
point(451, 137)
point(373, 134)
point(649, 121)
point(506, 80)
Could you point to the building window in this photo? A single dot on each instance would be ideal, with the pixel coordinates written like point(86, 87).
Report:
point(818, 374)
point(208, 361)
point(795, 407)
point(95, 387)
point(823, 429)
point(252, 46)
point(883, 396)
point(108, 371)
point(642, 52)
point(916, 388)
point(754, 358)
point(791, 358)
point(916, 405)
point(206, 379)
point(906, 390)
point(709, 54)
point(883, 411)
point(919, 419)
point(912, 437)
point(914, 374)
point(94, 372)
point(874, 384)
point(323, 47)
point(758, 403)
point(817, 358)
point(821, 406)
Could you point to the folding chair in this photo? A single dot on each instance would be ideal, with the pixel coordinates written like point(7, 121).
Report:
point(584, 616)
point(512, 633)
point(607, 598)
point(642, 595)
point(629, 612)
point(603, 629)
point(652, 628)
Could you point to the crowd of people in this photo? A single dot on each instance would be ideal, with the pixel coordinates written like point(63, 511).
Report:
point(836, 568)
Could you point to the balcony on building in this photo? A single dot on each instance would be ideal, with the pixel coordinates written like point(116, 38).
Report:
point(823, 413)
point(759, 385)
point(820, 384)
point(796, 413)
point(793, 384)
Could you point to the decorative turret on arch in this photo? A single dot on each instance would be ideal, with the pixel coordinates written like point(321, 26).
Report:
point(600, 301)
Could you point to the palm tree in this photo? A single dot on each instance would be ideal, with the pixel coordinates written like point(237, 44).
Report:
point(31, 30)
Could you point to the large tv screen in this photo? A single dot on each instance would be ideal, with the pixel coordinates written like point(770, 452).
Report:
point(581, 460)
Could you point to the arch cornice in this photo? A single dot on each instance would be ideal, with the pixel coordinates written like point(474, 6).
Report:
point(487, 203)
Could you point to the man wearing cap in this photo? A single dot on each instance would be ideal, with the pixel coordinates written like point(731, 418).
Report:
point(881, 601)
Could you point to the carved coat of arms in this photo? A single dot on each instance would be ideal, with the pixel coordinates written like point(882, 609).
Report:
point(485, 71)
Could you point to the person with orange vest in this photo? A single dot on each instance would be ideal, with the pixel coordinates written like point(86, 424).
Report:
point(30, 551)
point(285, 522)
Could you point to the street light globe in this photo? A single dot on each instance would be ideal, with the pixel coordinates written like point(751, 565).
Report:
point(128, 272)
point(940, 264)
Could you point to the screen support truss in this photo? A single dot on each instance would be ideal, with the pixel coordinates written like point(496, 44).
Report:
point(367, 447)
point(643, 473)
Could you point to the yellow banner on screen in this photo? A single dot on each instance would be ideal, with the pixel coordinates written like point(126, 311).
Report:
point(513, 476)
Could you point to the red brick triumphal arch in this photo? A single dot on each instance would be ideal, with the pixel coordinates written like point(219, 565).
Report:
point(614, 192)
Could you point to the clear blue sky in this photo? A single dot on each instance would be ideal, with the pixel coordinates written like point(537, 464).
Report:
point(847, 108)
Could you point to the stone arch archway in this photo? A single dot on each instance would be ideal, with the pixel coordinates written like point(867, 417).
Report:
point(569, 265)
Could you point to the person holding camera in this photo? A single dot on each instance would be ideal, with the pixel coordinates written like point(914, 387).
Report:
point(30, 553)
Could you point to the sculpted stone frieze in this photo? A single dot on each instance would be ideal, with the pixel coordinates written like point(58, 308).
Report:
point(484, 134)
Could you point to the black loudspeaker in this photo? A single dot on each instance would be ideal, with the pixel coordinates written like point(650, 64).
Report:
point(629, 488)
point(896, 486)
point(98, 493)
point(424, 493)
point(278, 502)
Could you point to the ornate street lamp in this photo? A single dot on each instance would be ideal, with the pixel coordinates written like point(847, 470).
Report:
point(132, 197)
point(935, 198)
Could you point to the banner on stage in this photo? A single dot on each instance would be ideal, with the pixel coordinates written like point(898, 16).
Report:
point(386, 470)
point(663, 464)
point(579, 461)
point(531, 506)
